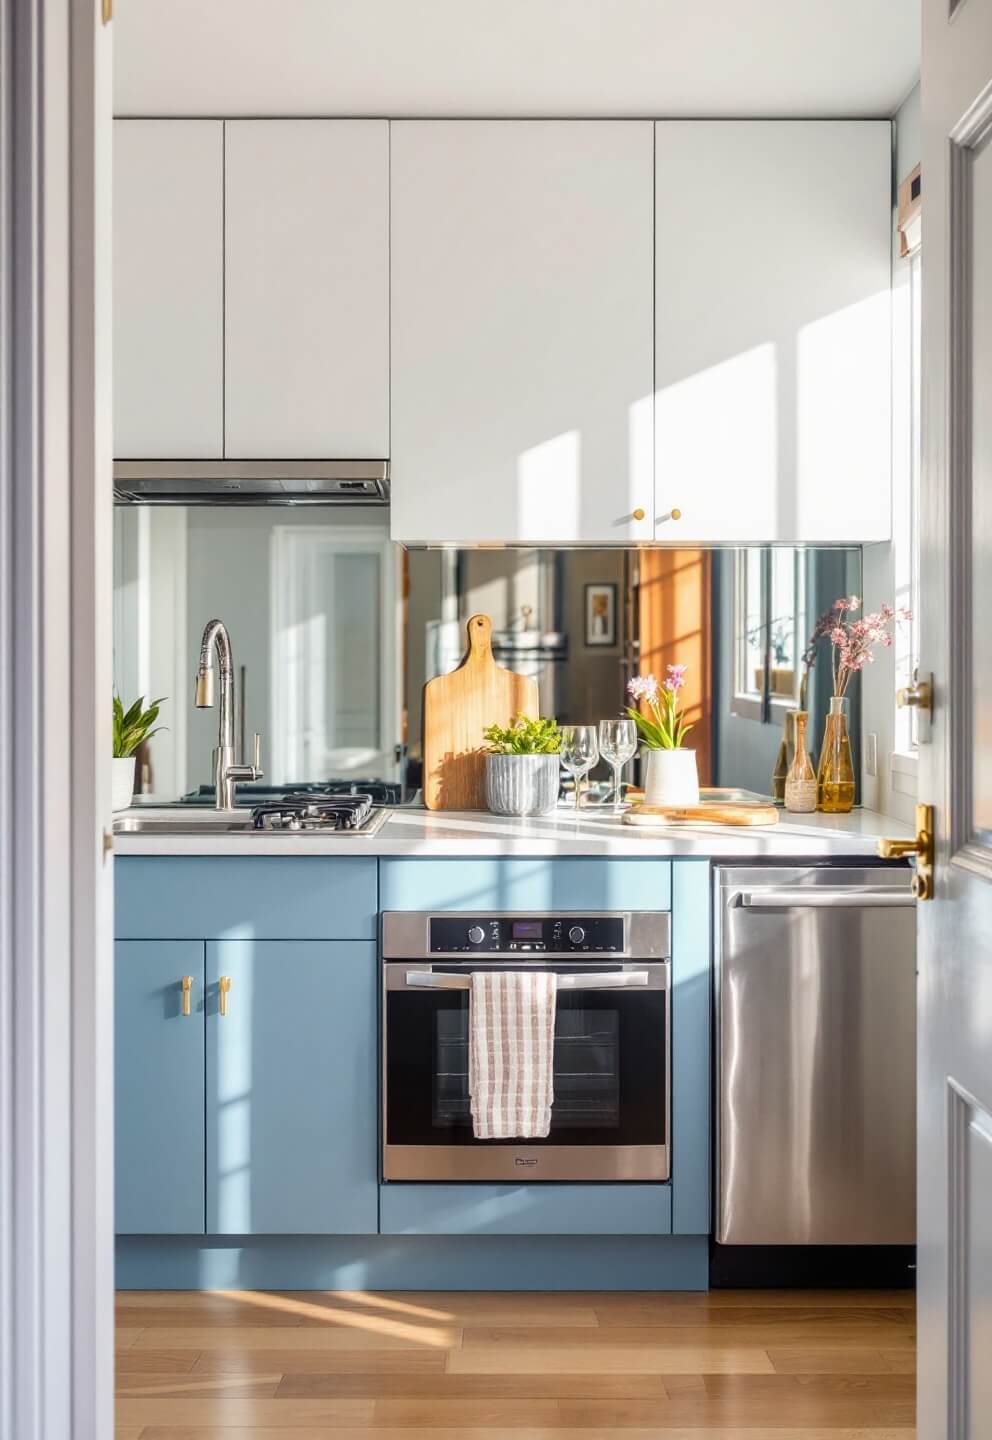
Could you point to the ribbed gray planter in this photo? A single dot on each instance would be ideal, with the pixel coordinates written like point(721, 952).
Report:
point(522, 784)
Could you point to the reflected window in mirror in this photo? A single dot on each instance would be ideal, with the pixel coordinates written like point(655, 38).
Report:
point(769, 629)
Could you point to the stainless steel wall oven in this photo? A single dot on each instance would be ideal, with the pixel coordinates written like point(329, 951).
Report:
point(612, 1064)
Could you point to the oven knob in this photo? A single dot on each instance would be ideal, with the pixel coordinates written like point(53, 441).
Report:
point(476, 934)
point(576, 934)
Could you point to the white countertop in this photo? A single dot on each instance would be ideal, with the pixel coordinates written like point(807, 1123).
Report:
point(427, 833)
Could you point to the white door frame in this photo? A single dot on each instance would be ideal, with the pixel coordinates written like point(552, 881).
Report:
point(56, 998)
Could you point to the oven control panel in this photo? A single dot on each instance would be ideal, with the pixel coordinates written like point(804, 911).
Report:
point(526, 935)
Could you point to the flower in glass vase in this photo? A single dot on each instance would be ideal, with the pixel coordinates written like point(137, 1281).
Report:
point(671, 778)
point(853, 643)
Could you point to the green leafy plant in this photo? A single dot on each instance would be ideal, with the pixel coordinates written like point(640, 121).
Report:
point(134, 726)
point(524, 736)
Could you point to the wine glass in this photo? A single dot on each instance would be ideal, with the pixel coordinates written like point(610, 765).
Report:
point(579, 753)
point(617, 745)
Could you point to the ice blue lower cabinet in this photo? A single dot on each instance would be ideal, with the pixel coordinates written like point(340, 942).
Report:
point(159, 1122)
point(291, 1088)
point(248, 1143)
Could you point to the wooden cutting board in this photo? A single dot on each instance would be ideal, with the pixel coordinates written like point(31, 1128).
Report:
point(457, 709)
point(702, 814)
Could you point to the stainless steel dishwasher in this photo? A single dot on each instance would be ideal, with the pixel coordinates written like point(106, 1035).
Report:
point(815, 1010)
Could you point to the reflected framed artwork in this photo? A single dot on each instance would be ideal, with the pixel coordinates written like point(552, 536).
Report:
point(601, 614)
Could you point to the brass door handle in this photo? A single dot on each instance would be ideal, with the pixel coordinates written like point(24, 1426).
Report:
point(675, 514)
point(224, 986)
point(917, 696)
point(187, 988)
point(922, 847)
point(639, 513)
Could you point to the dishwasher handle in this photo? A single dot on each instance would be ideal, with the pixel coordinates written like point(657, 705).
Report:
point(820, 897)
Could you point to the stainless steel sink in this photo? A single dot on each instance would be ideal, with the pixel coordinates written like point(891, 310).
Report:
point(183, 824)
point(190, 823)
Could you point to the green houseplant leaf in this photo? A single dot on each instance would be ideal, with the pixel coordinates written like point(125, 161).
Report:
point(524, 736)
point(134, 726)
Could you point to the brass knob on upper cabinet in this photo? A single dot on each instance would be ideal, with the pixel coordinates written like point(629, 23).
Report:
point(669, 515)
point(639, 514)
point(223, 987)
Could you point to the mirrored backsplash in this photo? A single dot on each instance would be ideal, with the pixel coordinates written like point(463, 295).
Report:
point(335, 630)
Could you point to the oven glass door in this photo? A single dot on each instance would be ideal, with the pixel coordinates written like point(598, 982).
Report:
point(610, 1065)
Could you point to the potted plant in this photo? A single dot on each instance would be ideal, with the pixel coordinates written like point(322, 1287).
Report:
point(131, 729)
point(522, 767)
point(672, 777)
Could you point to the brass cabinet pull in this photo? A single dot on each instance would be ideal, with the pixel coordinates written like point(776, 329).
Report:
point(639, 513)
point(224, 987)
point(674, 514)
point(921, 847)
point(187, 987)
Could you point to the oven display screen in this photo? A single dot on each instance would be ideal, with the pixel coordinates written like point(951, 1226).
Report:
point(527, 930)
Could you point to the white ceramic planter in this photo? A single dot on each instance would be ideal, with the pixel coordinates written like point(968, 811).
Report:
point(121, 782)
point(671, 778)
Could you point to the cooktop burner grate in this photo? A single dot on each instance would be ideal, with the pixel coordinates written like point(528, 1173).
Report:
point(318, 812)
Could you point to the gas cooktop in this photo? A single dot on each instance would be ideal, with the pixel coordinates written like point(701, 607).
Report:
point(305, 810)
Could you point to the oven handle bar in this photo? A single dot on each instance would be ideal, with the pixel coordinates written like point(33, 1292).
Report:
point(620, 980)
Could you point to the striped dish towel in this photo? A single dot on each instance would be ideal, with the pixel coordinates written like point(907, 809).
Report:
point(511, 1053)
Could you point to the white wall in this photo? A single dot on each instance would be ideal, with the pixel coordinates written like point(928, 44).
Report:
point(892, 791)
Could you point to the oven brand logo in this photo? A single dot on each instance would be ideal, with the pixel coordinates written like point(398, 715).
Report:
point(526, 1161)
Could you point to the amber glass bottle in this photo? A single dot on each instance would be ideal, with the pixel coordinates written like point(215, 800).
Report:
point(800, 783)
point(835, 776)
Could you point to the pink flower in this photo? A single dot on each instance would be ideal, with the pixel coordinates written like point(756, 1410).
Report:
point(643, 687)
point(675, 678)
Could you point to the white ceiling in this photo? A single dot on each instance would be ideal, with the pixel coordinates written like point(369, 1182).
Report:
point(515, 57)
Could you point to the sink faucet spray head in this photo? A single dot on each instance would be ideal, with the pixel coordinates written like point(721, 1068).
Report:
point(205, 688)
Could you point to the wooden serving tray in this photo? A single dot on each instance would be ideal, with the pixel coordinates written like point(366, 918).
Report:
point(702, 814)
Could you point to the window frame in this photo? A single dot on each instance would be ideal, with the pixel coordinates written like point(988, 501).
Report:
point(904, 759)
point(747, 703)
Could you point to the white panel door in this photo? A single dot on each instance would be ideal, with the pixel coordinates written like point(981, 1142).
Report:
point(955, 938)
point(168, 288)
point(307, 289)
point(772, 415)
point(521, 331)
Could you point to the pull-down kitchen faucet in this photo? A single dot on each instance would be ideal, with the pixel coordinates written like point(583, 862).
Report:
point(226, 772)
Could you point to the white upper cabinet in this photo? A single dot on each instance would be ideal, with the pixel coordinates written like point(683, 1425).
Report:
point(521, 331)
point(307, 289)
point(772, 416)
point(168, 288)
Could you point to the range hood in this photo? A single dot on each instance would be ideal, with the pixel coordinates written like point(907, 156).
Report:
point(251, 482)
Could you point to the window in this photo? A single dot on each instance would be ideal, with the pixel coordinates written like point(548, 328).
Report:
point(769, 630)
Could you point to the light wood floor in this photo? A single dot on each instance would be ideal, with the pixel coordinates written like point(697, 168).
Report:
point(732, 1365)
